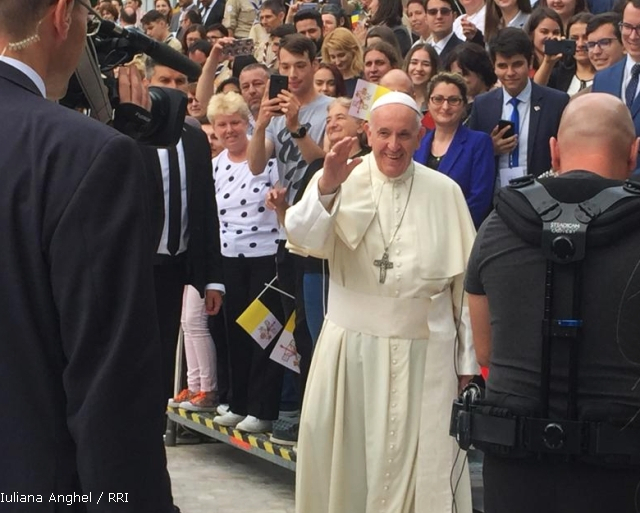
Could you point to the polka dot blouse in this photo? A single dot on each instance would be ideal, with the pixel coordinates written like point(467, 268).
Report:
point(247, 227)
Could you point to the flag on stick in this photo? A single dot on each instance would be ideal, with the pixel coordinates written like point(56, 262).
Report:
point(285, 352)
point(258, 321)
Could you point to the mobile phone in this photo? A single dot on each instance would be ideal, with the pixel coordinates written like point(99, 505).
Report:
point(307, 7)
point(277, 83)
point(566, 47)
point(509, 133)
point(244, 46)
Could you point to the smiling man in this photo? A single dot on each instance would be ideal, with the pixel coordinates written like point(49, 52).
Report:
point(622, 79)
point(604, 40)
point(533, 110)
point(397, 236)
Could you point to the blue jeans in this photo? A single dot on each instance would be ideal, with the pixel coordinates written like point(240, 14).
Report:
point(314, 301)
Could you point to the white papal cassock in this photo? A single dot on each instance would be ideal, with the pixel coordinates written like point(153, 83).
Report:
point(375, 420)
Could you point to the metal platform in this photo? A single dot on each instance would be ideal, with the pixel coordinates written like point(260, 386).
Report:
point(257, 444)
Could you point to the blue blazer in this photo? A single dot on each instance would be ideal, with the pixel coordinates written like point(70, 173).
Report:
point(609, 80)
point(547, 106)
point(469, 161)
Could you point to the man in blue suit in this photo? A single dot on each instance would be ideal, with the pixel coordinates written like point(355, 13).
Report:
point(621, 79)
point(533, 110)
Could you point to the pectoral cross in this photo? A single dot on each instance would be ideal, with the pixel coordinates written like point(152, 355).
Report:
point(383, 264)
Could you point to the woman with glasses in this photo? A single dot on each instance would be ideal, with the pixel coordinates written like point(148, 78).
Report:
point(575, 73)
point(466, 156)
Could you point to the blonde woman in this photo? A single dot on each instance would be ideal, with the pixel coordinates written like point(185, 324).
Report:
point(248, 242)
point(342, 49)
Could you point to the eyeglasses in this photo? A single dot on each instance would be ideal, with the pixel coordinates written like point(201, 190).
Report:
point(93, 19)
point(627, 28)
point(445, 11)
point(603, 43)
point(438, 99)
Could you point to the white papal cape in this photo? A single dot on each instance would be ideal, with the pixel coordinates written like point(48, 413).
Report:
point(374, 433)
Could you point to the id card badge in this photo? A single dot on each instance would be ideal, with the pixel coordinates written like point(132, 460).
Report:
point(509, 173)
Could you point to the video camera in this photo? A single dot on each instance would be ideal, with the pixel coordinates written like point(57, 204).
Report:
point(94, 87)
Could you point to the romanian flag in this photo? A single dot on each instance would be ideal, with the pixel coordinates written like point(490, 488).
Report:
point(285, 352)
point(258, 321)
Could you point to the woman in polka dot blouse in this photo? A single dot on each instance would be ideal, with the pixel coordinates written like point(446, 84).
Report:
point(249, 237)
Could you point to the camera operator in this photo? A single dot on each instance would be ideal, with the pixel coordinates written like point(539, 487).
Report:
point(571, 388)
point(79, 333)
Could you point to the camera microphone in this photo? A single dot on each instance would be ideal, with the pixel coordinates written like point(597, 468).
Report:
point(159, 52)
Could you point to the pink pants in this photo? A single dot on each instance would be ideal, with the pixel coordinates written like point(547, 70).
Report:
point(198, 345)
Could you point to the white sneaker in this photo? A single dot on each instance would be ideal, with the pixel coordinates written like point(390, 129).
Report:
point(229, 419)
point(252, 424)
point(222, 409)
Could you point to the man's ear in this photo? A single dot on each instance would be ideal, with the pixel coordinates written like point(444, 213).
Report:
point(633, 155)
point(555, 154)
point(62, 17)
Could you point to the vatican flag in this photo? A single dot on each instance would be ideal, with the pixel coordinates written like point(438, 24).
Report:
point(258, 321)
point(285, 352)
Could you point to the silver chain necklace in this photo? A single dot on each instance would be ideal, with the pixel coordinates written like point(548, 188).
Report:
point(384, 263)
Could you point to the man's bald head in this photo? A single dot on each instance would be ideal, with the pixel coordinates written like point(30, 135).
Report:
point(398, 80)
point(596, 134)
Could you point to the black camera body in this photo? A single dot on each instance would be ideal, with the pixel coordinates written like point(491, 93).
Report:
point(114, 46)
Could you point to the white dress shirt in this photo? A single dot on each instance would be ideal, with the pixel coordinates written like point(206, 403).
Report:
point(524, 109)
point(626, 78)
point(439, 46)
point(27, 70)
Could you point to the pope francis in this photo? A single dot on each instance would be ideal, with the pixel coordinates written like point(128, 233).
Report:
point(396, 343)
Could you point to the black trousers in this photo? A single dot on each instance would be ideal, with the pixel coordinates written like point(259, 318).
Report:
point(291, 279)
point(170, 277)
point(514, 485)
point(256, 380)
point(219, 333)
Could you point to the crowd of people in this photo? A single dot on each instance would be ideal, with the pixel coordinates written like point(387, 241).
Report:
point(357, 253)
point(489, 94)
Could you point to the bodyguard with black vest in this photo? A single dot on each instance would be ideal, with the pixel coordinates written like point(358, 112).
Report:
point(554, 297)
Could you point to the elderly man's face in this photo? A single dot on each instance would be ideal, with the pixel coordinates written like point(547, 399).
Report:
point(394, 135)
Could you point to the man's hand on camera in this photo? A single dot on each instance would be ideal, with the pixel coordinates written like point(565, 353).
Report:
point(132, 89)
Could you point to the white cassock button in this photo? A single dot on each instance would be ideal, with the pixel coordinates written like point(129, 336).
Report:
point(394, 405)
point(386, 487)
point(397, 277)
point(397, 292)
point(392, 433)
point(398, 237)
point(392, 447)
point(399, 264)
point(387, 475)
point(389, 460)
point(397, 251)
point(398, 210)
point(394, 391)
point(395, 362)
point(393, 376)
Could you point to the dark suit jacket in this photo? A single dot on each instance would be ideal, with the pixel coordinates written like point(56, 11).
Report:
point(547, 106)
point(451, 44)
point(78, 328)
point(469, 161)
point(609, 80)
point(215, 15)
point(204, 263)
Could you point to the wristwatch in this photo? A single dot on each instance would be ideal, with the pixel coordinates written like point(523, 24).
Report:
point(300, 133)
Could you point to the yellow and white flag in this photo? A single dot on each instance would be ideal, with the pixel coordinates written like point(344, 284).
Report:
point(364, 96)
point(285, 352)
point(258, 321)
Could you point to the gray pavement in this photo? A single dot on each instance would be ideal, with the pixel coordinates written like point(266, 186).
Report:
point(218, 478)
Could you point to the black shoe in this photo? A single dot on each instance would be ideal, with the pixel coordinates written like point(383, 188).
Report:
point(185, 436)
point(284, 432)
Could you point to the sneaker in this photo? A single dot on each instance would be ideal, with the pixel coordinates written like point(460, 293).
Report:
point(183, 395)
point(253, 424)
point(229, 419)
point(202, 401)
point(222, 409)
point(285, 433)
